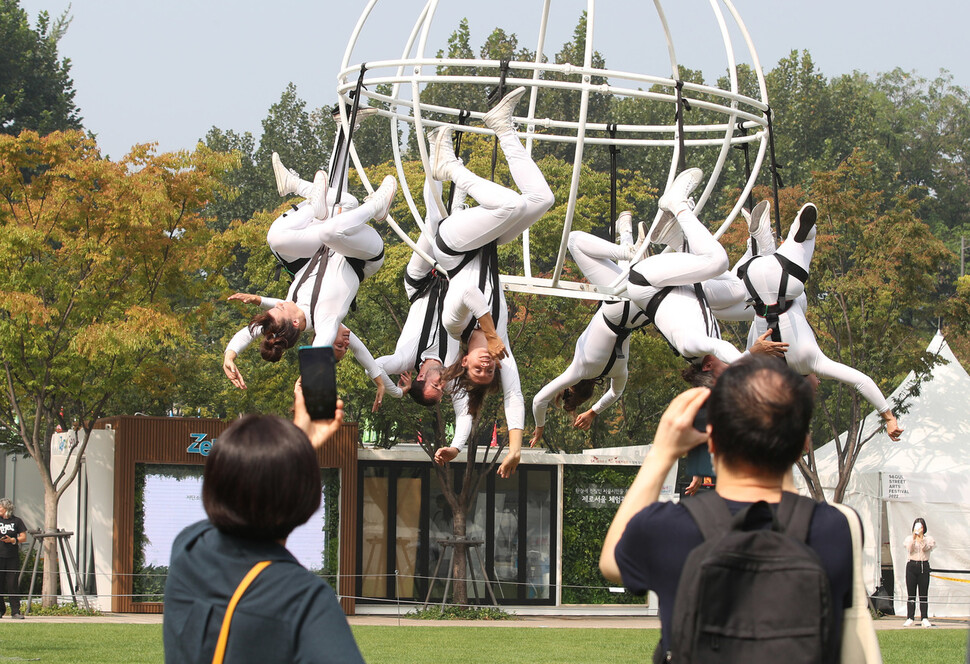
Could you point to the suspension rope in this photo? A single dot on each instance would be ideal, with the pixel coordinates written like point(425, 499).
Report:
point(682, 105)
point(776, 182)
point(614, 150)
point(463, 117)
point(355, 96)
point(494, 97)
point(747, 162)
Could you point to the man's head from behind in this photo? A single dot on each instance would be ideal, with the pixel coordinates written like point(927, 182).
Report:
point(760, 412)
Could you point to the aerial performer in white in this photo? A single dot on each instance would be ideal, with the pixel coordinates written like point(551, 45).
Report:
point(424, 347)
point(475, 311)
point(672, 288)
point(603, 349)
point(775, 285)
point(329, 256)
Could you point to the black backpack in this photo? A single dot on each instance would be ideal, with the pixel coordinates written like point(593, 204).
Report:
point(752, 595)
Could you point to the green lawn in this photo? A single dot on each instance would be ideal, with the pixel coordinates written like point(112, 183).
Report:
point(109, 644)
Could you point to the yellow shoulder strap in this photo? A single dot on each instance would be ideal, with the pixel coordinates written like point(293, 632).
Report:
point(224, 631)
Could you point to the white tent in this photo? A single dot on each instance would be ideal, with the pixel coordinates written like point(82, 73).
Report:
point(926, 473)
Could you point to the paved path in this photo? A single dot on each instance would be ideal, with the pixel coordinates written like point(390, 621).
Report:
point(611, 622)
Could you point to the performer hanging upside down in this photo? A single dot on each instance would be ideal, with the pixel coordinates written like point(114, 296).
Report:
point(329, 258)
point(775, 284)
point(671, 287)
point(424, 346)
point(475, 311)
point(603, 349)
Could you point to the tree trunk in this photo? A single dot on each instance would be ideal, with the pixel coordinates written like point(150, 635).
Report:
point(49, 588)
point(459, 571)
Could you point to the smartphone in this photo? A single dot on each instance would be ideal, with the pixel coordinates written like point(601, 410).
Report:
point(700, 420)
point(319, 377)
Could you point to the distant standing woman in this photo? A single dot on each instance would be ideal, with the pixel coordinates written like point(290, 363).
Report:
point(918, 546)
point(13, 533)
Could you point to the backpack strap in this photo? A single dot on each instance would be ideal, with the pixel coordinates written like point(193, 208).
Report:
point(710, 512)
point(795, 514)
point(251, 575)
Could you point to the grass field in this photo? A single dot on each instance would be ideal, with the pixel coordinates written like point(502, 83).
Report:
point(99, 643)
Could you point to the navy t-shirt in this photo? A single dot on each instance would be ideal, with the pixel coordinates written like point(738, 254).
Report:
point(652, 551)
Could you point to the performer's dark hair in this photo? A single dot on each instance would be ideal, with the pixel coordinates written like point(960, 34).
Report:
point(417, 394)
point(277, 336)
point(919, 519)
point(697, 377)
point(576, 395)
point(760, 412)
point(261, 479)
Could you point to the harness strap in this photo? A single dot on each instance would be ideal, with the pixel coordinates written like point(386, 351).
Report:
point(776, 182)
point(463, 117)
point(350, 132)
point(611, 128)
point(487, 274)
point(771, 312)
point(494, 97)
point(318, 261)
point(435, 288)
point(220, 652)
point(682, 105)
point(747, 161)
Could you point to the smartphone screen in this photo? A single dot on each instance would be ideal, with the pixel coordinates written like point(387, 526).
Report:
point(317, 369)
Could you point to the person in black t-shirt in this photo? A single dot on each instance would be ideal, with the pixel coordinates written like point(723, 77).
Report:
point(13, 533)
point(758, 420)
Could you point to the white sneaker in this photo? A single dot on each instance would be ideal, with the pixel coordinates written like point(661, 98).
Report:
point(318, 196)
point(908, 623)
point(759, 228)
point(363, 113)
point(803, 228)
point(288, 181)
point(499, 119)
point(383, 196)
point(680, 190)
point(443, 159)
point(624, 224)
point(666, 230)
point(926, 623)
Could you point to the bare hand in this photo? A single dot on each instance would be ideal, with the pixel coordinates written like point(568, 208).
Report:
point(766, 346)
point(404, 382)
point(509, 465)
point(893, 430)
point(695, 484)
point(246, 298)
point(232, 372)
point(379, 399)
point(536, 436)
point(496, 347)
point(318, 431)
point(445, 454)
point(676, 435)
point(585, 420)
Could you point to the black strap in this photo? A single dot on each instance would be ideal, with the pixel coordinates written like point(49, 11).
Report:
point(488, 273)
point(776, 182)
point(713, 518)
point(318, 261)
point(496, 96)
point(350, 133)
point(463, 116)
point(435, 289)
point(611, 128)
point(682, 105)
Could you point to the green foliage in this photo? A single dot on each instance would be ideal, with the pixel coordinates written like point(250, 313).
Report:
point(584, 528)
point(36, 90)
point(37, 609)
point(460, 613)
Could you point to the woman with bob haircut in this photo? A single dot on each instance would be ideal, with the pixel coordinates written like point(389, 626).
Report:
point(261, 480)
point(918, 546)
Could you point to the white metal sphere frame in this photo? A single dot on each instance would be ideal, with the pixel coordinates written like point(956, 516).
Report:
point(745, 119)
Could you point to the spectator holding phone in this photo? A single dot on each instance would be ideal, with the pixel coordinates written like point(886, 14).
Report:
point(918, 546)
point(261, 480)
point(13, 532)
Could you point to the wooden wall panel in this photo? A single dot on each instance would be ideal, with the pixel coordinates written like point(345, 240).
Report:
point(167, 440)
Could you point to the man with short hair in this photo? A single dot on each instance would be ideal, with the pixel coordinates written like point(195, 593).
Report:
point(759, 414)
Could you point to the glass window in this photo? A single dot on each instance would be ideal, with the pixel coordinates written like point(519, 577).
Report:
point(538, 529)
point(505, 555)
point(374, 523)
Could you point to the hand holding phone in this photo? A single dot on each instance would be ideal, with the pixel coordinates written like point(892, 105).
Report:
point(319, 379)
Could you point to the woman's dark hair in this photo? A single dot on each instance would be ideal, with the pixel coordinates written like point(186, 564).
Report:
point(261, 479)
point(277, 336)
point(457, 375)
point(575, 396)
point(919, 519)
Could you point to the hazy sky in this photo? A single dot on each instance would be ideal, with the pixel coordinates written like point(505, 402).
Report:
point(167, 71)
